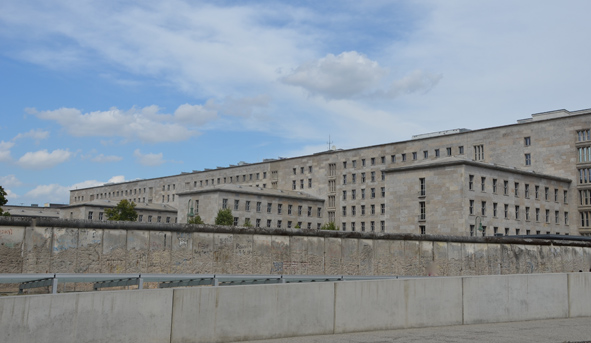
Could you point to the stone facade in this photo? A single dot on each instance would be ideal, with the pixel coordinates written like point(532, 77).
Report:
point(555, 145)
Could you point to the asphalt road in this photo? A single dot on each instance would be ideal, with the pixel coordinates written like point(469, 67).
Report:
point(555, 330)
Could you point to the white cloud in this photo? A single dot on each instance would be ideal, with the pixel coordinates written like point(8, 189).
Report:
point(352, 75)
point(101, 158)
point(42, 159)
point(145, 125)
point(5, 151)
point(196, 115)
point(9, 181)
point(148, 159)
point(37, 135)
point(337, 77)
point(117, 179)
point(10, 195)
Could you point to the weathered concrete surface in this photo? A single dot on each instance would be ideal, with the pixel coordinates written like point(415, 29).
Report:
point(123, 316)
point(228, 314)
point(65, 249)
point(509, 298)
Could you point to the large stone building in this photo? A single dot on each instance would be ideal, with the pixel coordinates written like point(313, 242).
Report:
point(532, 177)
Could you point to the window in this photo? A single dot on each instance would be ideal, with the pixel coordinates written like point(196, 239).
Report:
point(471, 182)
point(426, 154)
point(422, 191)
point(332, 169)
point(547, 216)
point(422, 211)
point(383, 225)
point(448, 151)
point(372, 226)
point(354, 178)
point(279, 208)
point(393, 158)
point(309, 183)
point(373, 193)
point(527, 213)
point(301, 170)
point(279, 222)
point(353, 211)
point(565, 218)
point(506, 231)
point(506, 211)
point(345, 165)
point(527, 141)
point(383, 159)
point(319, 212)
point(149, 219)
point(471, 230)
point(289, 224)
point(373, 176)
point(353, 194)
point(299, 210)
point(414, 156)
point(363, 193)
point(258, 206)
point(383, 208)
point(362, 210)
point(331, 202)
point(235, 221)
point(293, 184)
point(482, 184)
point(516, 212)
point(436, 152)
point(309, 211)
point(353, 226)
point(528, 159)
point(332, 186)
point(461, 150)
point(373, 209)
point(422, 229)
point(516, 189)
point(383, 176)
point(354, 162)
point(268, 222)
point(344, 211)
point(494, 209)
point(583, 135)
point(527, 191)
point(236, 205)
point(363, 162)
point(494, 186)
point(224, 203)
point(344, 226)
point(269, 207)
point(247, 205)
point(373, 161)
point(506, 187)
point(294, 171)
point(362, 177)
point(344, 195)
point(383, 192)
point(556, 217)
point(89, 215)
point(100, 215)
point(483, 208)
point(479, 152)
point(344, 179)
point(159, 219)
point(403, 157)
point(302, 184)
point(565, 197)
point(537, 214)
point(546, 193)
point(471, 208)
point(289, 207)
point(555, 194)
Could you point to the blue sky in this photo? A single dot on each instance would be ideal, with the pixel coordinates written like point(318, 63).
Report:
point(93, 92)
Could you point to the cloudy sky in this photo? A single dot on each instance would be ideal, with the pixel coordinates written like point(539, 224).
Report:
point(98, 91)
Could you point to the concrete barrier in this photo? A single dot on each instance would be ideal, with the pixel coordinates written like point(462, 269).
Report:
point(393, 304)
point(511, 298)
point(118, 316)
point(579, 295)
point(236, 313)
point(227, 314)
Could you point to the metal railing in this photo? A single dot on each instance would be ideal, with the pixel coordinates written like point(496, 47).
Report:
point(29, 281)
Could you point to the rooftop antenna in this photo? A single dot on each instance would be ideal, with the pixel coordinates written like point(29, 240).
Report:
point(329, 142)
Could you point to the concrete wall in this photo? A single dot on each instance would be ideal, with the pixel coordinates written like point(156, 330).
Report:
point(94, 247)
point(236, 313)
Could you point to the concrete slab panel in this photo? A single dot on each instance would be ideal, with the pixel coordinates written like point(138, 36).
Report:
point(227, 314)
point(114, 251)
point(506, 298)
point(159, 253)
point(262, 261)
point(579, 294)
point(350, 256)
point(298, 256)
point(332, 257)
point(63, 250)
point(243, 257)
point(203, 253)
point(315, 257)
point(37, 250)
point(366, 256)
point(101, 317)
point(426, 257)
point(11, 249)
point(393, 304)
point(182, 253)
point(223, 253)
point(411, 264)
point(138, 243)
point(279, 254)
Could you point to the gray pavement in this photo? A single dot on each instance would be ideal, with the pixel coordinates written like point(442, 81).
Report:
point(554, 330)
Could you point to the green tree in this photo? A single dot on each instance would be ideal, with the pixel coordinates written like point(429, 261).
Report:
point(329, 226)
point(224, 217)
point(195, 220)
point(3, 201)
point(247, 223)
point(124, 211)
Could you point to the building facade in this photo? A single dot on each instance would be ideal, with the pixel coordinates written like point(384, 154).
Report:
point(374, 188)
